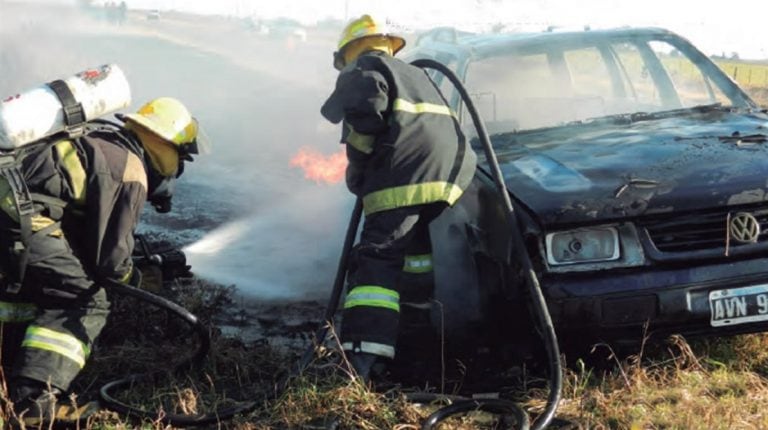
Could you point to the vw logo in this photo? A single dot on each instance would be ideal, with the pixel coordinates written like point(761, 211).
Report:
point(744, 228)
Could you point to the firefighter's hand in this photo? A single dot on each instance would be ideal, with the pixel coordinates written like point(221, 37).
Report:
point(173, 264)
point(153, 278)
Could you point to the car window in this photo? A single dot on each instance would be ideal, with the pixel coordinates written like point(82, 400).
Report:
point(506, 90)
point(591, 83)
point(693, 89)
point(545, 86)
point(589, 72)
point(639, 90)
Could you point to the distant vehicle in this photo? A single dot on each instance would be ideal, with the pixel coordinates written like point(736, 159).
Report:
point(638, 170)
point(283, 28)
point(153, 15)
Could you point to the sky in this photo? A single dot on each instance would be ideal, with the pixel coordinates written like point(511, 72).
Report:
point(715, 27)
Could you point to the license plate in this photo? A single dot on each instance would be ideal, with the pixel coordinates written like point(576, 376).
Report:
point(738, 305)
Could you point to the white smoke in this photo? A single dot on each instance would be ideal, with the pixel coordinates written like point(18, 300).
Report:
point(290, 249)
point(261, 226)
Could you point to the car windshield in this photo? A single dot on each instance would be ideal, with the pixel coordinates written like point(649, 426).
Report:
point(546, 86)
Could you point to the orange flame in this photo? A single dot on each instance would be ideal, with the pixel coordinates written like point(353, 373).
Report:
point(320, 168)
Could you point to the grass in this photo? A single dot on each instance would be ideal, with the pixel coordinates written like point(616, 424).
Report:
point(705, 384)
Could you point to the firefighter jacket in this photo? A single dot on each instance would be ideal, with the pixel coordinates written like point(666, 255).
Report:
point(91, 190)
point(74, 229)
point(404, 144)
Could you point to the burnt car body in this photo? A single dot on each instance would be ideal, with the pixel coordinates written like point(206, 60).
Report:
point(639, 174)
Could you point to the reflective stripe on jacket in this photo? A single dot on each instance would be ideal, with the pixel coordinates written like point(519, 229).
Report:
point(402, 138)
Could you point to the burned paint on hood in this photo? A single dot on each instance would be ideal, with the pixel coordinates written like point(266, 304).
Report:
point(618, 167)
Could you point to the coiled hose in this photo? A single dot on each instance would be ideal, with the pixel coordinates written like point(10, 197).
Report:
point(178, 420)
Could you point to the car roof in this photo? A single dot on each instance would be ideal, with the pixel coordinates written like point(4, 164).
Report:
point(488, 44)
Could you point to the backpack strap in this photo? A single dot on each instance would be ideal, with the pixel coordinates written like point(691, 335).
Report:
point(25, 206)
point(74, 114)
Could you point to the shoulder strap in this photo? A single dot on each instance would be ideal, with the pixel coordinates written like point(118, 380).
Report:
point(118, 134)
point(25, 207)
point(24, 202)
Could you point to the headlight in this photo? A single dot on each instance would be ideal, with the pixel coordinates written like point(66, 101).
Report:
point(583, 246)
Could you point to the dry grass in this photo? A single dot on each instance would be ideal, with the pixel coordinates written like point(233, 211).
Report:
point(715, 384)
point(706, 384)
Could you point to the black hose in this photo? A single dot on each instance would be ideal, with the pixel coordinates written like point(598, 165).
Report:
point(338, 286)
point(494, 406)
point(196, 359)
point(540, 306)
point(161, 302)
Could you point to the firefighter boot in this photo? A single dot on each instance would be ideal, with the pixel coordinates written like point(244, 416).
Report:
point(362, 363)
point(34, 403)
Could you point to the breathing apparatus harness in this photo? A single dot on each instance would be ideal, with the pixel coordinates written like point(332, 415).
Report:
point(33, 121)
point(26, 203)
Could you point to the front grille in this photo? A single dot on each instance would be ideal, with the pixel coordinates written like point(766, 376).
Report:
point(699, 231)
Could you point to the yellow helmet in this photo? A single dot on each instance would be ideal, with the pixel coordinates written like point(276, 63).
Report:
point(168, 119)
point(361, 29)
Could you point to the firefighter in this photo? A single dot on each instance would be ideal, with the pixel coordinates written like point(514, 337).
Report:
point(408, 161)
point(87, 193)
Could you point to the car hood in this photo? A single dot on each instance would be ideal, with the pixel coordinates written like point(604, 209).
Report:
point(613, 169)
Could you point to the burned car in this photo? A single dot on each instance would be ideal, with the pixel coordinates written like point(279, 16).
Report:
point(639, 174)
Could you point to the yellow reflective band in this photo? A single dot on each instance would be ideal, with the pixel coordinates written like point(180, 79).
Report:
point(418, 263)
point(418, 108)
point(127, 277)
point(39, 222)
point(410, 195)
point(369, 295)
point(359, 141)
point(17, 312)
point(59, 343)
point(74, 168)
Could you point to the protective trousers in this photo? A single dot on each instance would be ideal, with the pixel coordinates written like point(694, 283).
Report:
point(50, 325)
point(391, 261)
